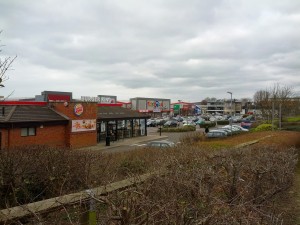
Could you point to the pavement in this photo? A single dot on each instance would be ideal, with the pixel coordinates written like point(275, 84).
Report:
point(125, 142)
point(152, 135)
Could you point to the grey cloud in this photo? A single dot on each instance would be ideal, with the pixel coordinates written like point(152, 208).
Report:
point(174, 48)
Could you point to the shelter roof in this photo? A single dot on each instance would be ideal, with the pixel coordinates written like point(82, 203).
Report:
point(107, 112)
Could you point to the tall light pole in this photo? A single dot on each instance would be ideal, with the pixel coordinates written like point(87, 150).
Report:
point(230, 110)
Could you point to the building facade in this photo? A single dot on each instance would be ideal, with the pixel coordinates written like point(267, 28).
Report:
point(153, 107)
point(68, 124)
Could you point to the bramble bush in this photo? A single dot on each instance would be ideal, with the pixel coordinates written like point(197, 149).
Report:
point(198, 186)
point(264, 127)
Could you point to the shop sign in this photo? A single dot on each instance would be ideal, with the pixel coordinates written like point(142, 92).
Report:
point(143, 110)
point(176, 107)
point(90, 99)
point(83, 125)
point(155, 103)
point(107, 99)
point(78, 109)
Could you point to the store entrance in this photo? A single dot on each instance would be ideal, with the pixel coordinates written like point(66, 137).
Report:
point(121, 129)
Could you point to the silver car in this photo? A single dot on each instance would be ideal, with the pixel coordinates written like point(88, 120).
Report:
point(216, 134)
point(161, 144)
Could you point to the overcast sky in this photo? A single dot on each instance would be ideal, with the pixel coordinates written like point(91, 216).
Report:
point(176, 49)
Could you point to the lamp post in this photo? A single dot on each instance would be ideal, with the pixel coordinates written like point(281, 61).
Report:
point(230, 111)
point(179, 101)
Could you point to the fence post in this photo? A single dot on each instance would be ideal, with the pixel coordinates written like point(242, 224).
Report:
point(88, 216)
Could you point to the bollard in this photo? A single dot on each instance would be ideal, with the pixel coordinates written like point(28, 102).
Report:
point(89, 217)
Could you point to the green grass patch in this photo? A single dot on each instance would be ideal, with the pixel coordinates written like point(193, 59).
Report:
point(264, 127)
point(293, 119)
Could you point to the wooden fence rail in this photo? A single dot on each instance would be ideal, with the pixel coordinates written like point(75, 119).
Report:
point(52, 204)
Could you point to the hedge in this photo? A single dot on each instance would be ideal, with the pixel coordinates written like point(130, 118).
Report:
point(222, 122)
point(264, 127)
point(208, 124)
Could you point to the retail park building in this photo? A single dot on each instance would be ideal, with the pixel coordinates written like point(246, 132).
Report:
point(56, 119)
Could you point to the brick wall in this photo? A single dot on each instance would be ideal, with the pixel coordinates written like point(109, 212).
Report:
point(78, 139)
point(50, 135)
point(56, 135)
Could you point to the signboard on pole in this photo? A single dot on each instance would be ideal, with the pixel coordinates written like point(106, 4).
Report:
point(176, 107)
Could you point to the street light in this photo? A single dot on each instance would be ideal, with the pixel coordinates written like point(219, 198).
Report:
point(230, 110)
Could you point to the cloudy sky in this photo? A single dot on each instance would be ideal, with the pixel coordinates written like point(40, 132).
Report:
point(177, 49)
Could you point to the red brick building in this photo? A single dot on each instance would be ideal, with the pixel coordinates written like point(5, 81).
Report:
point(66, 123)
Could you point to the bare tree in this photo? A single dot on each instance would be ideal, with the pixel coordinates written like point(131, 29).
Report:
point(281, 96)
point(5, 64)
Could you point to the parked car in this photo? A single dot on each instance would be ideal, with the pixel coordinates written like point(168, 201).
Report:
point(236, 119)
point(151, 123)
point(234, 129)
point(227, 131)
point(249, 119)
point(200, 121)
point(189, 123)
point(160, 122)
point(171, 123)
point(246, 125)
point(216, 134)
point(240, 128)
point(161, 144)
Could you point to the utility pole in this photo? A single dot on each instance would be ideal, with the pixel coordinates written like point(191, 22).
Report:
point(272, 115)
point(280, 116)
point(230, 111)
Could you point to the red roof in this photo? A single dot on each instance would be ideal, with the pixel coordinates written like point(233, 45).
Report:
point(22, 103)
point(110, 104)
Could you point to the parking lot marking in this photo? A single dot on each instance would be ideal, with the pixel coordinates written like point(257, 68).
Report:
point(138, 145)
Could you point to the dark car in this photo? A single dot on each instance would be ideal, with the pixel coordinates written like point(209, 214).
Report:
point(161, 144)
point(246, 125)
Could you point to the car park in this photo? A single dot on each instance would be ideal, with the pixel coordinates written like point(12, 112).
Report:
point(161, 144)
point(171, 123)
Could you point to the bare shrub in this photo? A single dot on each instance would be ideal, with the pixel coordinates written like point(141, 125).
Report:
point(228, 187)
point(193, 137)
point(198, 186)
point(33, 173)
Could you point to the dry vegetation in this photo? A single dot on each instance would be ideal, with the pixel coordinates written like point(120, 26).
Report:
point(206, 182)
